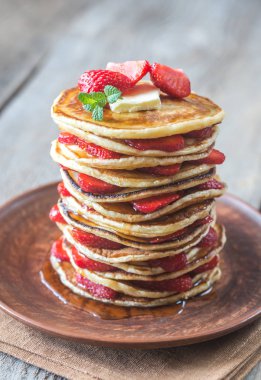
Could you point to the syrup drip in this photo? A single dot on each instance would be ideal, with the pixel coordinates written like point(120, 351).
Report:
point(51, 280)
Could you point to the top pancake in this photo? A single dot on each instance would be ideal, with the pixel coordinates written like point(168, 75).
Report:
point(175, 116)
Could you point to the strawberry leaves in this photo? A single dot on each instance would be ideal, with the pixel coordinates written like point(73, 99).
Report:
point(96, 101)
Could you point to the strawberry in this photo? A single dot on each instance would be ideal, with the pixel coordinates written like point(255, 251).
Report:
point(135, 70)
point(210, 240)
point(62, 190)
point(96, 80)
point(64, 167)
point(96, 290)
point(67, 138)
point(98, 151)
point(94, 241)
point(152, 204)
point(94, 185)
point(166, 144)
point(211, 184)
point(208, 219)
point(200, 133)
point(170, 264)
point(92, 265)
point(162, 170)
point(56, 216)
point(214, 158)
point(173, 82)
point(58, 251)
point(208, 266)
point(179, 285)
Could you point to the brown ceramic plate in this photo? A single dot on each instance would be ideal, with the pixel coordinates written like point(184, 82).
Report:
point(25, 238)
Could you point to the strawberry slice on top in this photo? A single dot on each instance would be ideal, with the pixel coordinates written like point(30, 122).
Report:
point(96, 80)
point(165, 144)
point(135, 70)
point(151, 204)
point(173, 82)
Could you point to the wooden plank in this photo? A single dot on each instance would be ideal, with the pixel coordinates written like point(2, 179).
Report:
point(217, 44)
point(27, 30)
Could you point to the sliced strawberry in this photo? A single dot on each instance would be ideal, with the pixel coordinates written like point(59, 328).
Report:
point(152, 204)
point(214, 158)
point(210, 240)
point(211, 184)
point(92, 265)
point(170, 264)
point(208, 266)
point(58, 251)
point(179, 285)
point(200, 133)
point(173, 82)
point(135, 70)
point(96, 80)
point(96, 290)
point(94, 241)
point(56, 216)
point(62, 190)
point(208, 219)
point(98, 151)
point(162, 170)
point(94, 185)
point(67, 138)
point(165, 144)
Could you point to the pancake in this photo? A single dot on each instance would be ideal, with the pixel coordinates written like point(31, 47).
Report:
point(128, 194)
point(145, 272)
point(73, 155)
point(201, 283)
point(136, 252)
point(165, 225)
point(192, 146)
point(124, 212)
point(174, 117)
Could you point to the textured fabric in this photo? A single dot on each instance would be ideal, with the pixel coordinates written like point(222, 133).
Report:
point(230, 357)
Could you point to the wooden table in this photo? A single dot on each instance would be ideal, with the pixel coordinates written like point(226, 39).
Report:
point(45, 46)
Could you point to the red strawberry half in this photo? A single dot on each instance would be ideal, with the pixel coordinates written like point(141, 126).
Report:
point(210, 240)
point(94, 185)
point(94, 241)
point(96, 80)
point(208, 266)
point(134, 70)
point(170, 264)
point(97, 290)
point(165, 144)
point(200, 133)
point(211, 184)
point(56, 216)
point(214, 158)
point(62, 190)
point(58, 251)
point(92, 265)
point(162, 170)
point(173, 82)
point(179, 285)
point(152, 204)
point(67, 138)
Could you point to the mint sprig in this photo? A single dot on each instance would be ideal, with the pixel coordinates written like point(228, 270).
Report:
point(96, 101)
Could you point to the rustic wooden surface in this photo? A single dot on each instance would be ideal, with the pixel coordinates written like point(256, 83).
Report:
point(44, 48)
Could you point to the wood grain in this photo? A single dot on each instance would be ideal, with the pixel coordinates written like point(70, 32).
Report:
point(234, 303)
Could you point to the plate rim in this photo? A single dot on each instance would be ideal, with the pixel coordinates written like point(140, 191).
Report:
point(216, 332)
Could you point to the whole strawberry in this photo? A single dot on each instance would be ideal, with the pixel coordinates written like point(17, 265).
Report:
point(96, 80)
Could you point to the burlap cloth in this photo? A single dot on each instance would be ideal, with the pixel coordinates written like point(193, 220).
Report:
point(230, 357)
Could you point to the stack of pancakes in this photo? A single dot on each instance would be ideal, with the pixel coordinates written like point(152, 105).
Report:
point(148, 258)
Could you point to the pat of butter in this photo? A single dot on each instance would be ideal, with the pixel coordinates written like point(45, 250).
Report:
point(143, 96)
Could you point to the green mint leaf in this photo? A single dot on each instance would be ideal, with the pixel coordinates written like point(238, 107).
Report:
point(97, 113)
point(89, 107)
point(93, 98)
point(112, 93)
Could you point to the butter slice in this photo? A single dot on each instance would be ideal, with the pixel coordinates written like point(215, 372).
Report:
point(143, 96)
